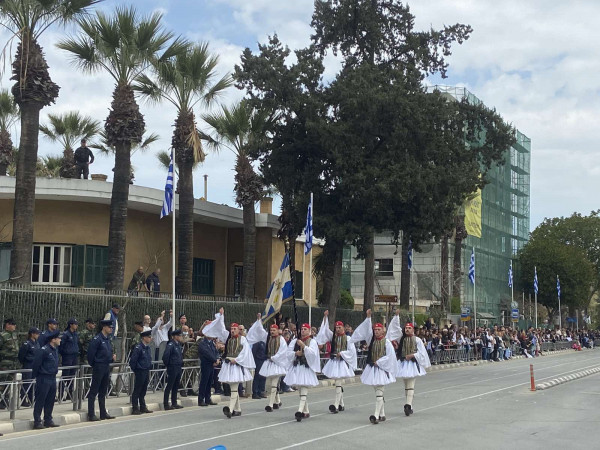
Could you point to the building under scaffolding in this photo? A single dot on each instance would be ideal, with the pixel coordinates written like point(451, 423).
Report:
point(505, 230)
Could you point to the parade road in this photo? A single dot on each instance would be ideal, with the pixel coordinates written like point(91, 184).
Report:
point(486, 406)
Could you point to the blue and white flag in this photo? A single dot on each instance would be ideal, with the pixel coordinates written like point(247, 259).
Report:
point(409, 254)
point(280, 290)
point(510, 275)
point(167, 207)
point(308, 229)
point(472, 267)
point(535, 281)
point(558, 286)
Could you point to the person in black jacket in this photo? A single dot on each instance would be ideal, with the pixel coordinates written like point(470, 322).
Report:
point(100, 355)
point(83, 158)
point(45, 368)
point(26, 357)
point(69, 352)
point(153, 283)
point(140, 363)
point(259, 351)
point(209, 358)
point(173, 361)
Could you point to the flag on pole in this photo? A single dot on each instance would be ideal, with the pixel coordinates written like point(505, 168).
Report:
point(410, 254)
point(472, 267)
point(308, 229)
point(558, 286)
point(535, 281)
point(167, 207)
point(510, 275)
point(280, 290)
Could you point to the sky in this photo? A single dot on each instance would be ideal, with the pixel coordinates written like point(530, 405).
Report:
point(536, 62)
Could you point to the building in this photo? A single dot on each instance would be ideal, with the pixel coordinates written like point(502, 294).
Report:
point(71, 237)
point(505, 230)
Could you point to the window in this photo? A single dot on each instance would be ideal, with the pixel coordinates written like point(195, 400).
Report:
point(51, 264)
point(238, 273)
point(299, 286)
point(384, 267)
point(203, 276)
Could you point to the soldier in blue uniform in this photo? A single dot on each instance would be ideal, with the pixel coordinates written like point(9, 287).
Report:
point(45, 368)
point(51, 327)
point(209, 358)
point(140, 363)
point(69, 352)
point(26, 357)
point(173, 361)
point(100, 355)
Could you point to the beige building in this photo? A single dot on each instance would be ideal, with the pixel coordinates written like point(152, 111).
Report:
point(71, 237)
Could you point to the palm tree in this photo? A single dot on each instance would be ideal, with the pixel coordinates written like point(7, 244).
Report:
point(33, 89)
point(123, 45)
point(184, 81)
point(242, 129)
point(69, 129)
point(9, 113)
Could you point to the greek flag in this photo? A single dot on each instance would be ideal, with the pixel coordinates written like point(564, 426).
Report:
point(558, 286)
point(280, 290)
point(472, 267)
point(308, 229)
point(510, 275)
point(535, 281)
point(410, 254)
point(167, 207)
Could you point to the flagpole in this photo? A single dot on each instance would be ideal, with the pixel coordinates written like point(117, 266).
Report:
point(535, 291)
point(512, 285)
point(559, 312)
point(536, 317)
point(312, 216)
point(474, 295)
point(173, 240)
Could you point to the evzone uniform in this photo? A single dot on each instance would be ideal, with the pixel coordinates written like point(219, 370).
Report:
point(381, 363)
point(303, 356)
point(408, 368)
point(277, 359)
point(342, 362)
point(237, 360)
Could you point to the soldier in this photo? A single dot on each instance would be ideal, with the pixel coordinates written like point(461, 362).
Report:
point(9, 354)
point(138, 327)
point(100, 355)
point(141, 362)
point(191, 353)
point(26, 357)
point(173, 361)
point(45, 368)
point(51, 326)
point(69, 352)
point(85, 337)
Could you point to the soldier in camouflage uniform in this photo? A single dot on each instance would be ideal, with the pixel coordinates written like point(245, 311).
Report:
point(9, 357)
point(85, 337)
point(138, 327)
point(190, 352)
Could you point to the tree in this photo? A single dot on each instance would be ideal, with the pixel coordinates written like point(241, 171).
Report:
point(240, 129)
point(9, 114)
point(123, 45)
point(69, 129)
point(33, 90)
point(184, 80)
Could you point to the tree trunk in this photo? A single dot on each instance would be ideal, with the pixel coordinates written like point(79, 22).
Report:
point(249, 274)
point(405, 287)
point(445, 288)
point(369, 291)
point(336, 280)
point(185, 230)
point(460, 235)
point(24, 207)
point(3, 168)
point(117, 232)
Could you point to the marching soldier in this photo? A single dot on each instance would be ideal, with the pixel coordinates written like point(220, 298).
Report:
point(100, 355)
point(173, 361)
point(26, 357)
point(9, 353)
point(85, 337)
point(141, 363)
point(45, 368)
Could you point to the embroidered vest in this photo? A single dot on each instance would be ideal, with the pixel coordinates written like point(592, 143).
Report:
point(377, 350)
point(234, 347)
point(338, 344)
point(273, 347)
point(301, 359)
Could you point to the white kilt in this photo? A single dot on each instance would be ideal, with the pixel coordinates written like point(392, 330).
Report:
point(337, 368)
point(300, 375)
point(374, 376)
point(270, 369)
point(408, 369)
point(234, 373)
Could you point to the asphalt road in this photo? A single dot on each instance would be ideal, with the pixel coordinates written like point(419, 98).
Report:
point(483, 407)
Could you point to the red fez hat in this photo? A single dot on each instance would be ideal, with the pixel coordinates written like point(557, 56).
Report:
point(339, 323)
point(306, 325)
point(233, 324)
point(275, 326)
point(408, 324)
point(378, 325)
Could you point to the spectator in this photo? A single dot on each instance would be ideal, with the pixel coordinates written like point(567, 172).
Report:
point(83, 158)
point(259, 351)
point(113, 316)
point(153, 283)
point(160, 332)
point(146, 323)
point(137, 283)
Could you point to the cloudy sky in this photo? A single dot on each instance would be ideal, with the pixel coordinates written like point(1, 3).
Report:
point(536, 62)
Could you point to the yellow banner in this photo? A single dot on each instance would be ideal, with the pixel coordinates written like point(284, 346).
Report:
point(473, 215)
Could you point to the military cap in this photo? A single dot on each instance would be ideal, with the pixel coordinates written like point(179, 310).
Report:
point(146, 333)
point(141, 324)
point(34, 330)
point(116, 306)
point(72, 321)
point(51, 321)
point(10, 322)
point(182, 315)
point(53, 335)
point(176, 332)
point(106, 323)
point(90, 320)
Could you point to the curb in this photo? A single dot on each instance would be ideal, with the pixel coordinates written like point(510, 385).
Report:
point(566, 379)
